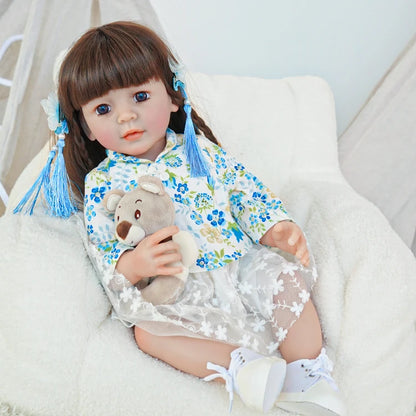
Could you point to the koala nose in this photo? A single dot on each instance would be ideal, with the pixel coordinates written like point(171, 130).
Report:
point(123, 229)
point(129, 234)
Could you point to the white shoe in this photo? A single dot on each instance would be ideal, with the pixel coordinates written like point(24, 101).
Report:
point(257, 379)
point(310, 390)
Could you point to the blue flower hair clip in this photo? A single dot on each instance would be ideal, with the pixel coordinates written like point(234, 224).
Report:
point(55, 187)
point(56, 120)
point(194, 156)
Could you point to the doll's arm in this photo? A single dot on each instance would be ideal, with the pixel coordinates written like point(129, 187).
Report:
point(253, 205)
point(151, 257)
point(287, 236)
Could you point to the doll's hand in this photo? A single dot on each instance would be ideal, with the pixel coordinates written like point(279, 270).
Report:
point(288, 236)
point(151, 257)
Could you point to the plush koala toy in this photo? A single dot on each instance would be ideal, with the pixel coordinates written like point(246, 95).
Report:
point(141, 212)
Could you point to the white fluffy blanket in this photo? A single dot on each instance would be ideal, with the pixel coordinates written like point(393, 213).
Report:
point(61, 354)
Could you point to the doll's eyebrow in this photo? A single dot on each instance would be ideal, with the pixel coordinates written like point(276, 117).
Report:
point(137, 200)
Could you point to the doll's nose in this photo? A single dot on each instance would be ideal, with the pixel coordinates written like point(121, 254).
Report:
point(126, 115)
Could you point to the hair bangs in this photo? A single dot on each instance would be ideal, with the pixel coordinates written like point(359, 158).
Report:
point(111, 61)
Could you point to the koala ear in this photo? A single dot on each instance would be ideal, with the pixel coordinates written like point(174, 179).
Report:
point(112, 198)
point(152, 184)
point(151, 187)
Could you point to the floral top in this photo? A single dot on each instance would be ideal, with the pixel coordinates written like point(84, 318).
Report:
point(226, 213)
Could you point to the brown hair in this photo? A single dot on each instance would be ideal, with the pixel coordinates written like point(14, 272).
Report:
point(116, 55)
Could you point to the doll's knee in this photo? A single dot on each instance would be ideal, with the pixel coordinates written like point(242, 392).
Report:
point(144, 339)
point(293, 280)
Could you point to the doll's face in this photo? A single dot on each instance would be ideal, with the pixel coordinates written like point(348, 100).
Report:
point(131, 120)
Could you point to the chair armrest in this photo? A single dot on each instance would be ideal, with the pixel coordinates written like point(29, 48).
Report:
point(362, 263)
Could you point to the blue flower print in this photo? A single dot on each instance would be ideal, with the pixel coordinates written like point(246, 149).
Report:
point(182, 188)
point(215, 210)
point(131, 185)
point(179, 198)
point(213, 259)
point(253, 219)
point(203, 201)
point(115, 253)
point(171, 181)
point(110, 163)
point(219, 162)
point(264, 215)
point(274, 205)
point(97, 194)
point(90, 213)
point(234, 256)
point(236, 201)
point(250, 177)
point(173, 161)
point(257, 196)
point(226, 233)
point(202, 261)
point(216, 217)
point(106, 246)
point(197, 218)
point(229, 177)
point(111, 250)
point(239, 166)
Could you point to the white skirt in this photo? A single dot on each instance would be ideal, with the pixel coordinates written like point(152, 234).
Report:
point(251, 302)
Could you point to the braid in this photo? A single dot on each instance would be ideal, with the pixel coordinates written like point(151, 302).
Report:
point(178, 119)
point(203, 127)
point(81, 156)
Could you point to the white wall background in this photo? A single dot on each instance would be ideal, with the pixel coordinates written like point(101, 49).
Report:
point(350, 43)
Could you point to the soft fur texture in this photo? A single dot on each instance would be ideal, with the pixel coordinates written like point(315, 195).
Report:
point(62, 354)
point(132, 226)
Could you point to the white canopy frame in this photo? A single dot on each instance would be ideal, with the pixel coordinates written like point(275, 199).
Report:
point(7, 83)
point(15, 38)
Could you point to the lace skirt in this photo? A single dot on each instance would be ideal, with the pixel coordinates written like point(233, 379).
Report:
point(251, 302)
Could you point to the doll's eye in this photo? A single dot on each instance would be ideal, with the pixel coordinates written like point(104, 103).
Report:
point(137, 214)
point(103, 109)
point(141, 96)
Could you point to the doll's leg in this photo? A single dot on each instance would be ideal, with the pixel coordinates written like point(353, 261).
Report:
point(295, 316)
point(187, 354)
point(258, 380)
point(309, 385)
point(304, 338)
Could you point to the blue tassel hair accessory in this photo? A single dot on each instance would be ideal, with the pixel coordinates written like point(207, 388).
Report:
point(53, 185)
point(197, 162)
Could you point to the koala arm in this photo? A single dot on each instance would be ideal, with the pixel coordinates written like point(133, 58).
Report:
point(188, 247)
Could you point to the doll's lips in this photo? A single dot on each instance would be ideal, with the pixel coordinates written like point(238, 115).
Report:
point(132, 135)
